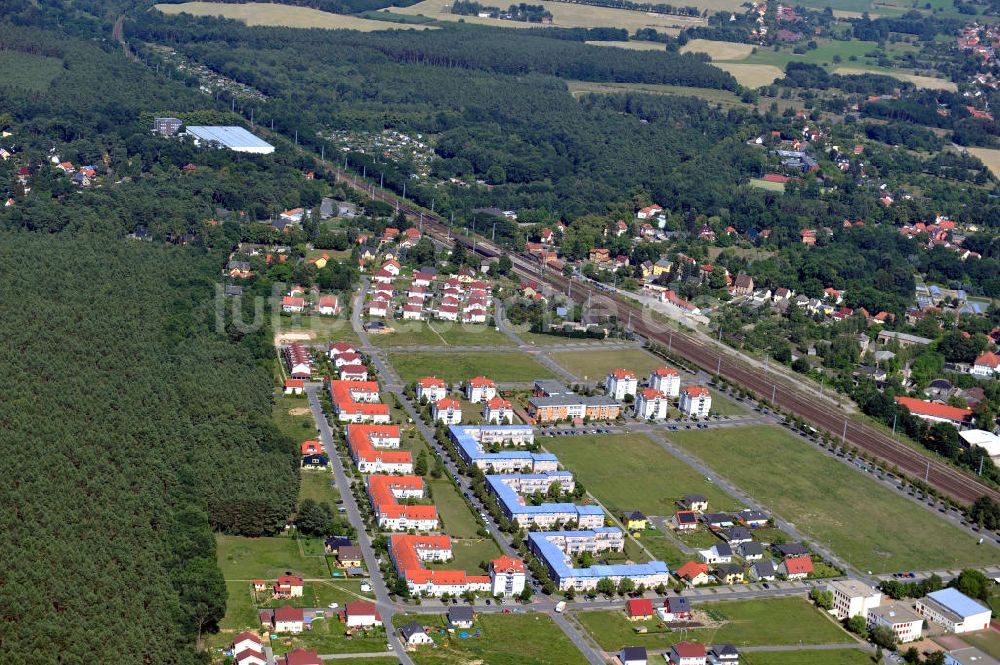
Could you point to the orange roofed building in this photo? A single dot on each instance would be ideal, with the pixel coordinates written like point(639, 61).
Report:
point(409, 552)
point(385, 492)
point(368, 445)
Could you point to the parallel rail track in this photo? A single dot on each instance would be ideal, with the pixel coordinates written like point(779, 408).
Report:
point(952, 482)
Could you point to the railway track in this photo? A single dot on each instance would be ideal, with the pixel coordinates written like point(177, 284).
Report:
point(950, 481)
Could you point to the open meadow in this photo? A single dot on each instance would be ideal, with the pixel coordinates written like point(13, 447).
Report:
point(289, 16)
point(564, 15)
point(989, 156)
point(440, 333)
point(717, 50)
point(632, 45)
point(813, 657)
point(653, 478)
point(496, 639)
point(773, 621)
point(593, 365)
point(867, 524)
point(501, 366)
point(928, 82)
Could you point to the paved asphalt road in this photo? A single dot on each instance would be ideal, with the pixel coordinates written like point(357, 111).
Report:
point(386, 607)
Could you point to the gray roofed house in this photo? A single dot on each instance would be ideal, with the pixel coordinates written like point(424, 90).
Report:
point(550, 387)
point(460, 616)
point(326, 208)
point(737, 535)
point(633, 656)
point(414, 633)
point(723, 654)
point(791, 549)
point(752, 551)
point(717, 519)
point(691, 501)
point(232, 290)
point(762, 570)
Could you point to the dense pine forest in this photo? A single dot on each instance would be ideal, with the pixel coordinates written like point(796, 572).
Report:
point(131, 428)
point(134, 424)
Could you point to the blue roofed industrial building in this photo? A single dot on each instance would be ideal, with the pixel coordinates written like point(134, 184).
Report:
point(236, 139)
point(953, 610)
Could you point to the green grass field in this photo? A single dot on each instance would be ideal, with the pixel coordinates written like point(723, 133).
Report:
point(318, 328)
point(300, 426)
point(327, 636)
point(316, 485)
point(504, 639)
point(595, 365)
point(456, 367)
point(813, 657)
point(774, 621)
point(253, 558)
point(454, 512)
point(630, 472)
point(29, 71)
point(663, 549)
point(441, 333)
point(823, 55)
point(865, 523)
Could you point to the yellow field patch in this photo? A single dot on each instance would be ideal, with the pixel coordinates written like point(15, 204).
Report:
point(564, 15)
point(989, 156)
point(752, 76)
point(266, 13)
point(718, 50)
point(635, 46)
point(928, 82)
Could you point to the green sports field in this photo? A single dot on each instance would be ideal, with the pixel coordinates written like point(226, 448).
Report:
point(867, 524)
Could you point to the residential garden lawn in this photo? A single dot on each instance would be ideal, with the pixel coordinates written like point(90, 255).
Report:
point(813, 657)
point(663, 549)
point(631, 472)
point(862, 521)
point(505, 639)
point(456, 367)
point(316, 594)
point(987, 640)
point(243, 558)
point(469, 553)
point(316, 485)
point(456, 516)
point(773, 621)
point(29, 71)
point(328, 636)
point(441, 333)
point(595, 365)
point(266, 13)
